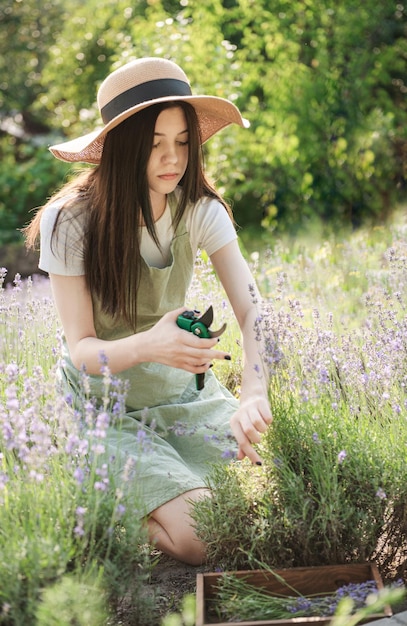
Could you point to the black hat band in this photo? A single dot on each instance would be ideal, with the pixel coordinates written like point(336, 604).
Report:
point(145, 92)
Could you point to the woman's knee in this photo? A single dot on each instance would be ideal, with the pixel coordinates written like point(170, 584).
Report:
point(191, 550)
point(171, 528)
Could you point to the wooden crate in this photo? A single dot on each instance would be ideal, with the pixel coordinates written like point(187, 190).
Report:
point(306, 580)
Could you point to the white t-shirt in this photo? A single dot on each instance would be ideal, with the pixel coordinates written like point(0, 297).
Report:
point(208, 224)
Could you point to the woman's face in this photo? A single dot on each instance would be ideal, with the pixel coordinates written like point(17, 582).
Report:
point(169, 155)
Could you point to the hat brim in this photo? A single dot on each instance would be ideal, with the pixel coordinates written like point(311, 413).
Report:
point(213, 114)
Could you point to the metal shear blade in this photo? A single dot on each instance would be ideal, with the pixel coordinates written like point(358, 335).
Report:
point(207, 319)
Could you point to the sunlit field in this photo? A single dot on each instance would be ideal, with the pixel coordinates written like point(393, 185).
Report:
point(333, 484)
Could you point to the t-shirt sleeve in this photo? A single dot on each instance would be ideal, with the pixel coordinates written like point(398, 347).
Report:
point(210, 227)
point(61, 252)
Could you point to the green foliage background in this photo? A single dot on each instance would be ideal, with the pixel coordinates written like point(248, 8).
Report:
point(322, 83)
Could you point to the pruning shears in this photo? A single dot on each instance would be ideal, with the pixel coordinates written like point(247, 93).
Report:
point(199, 325)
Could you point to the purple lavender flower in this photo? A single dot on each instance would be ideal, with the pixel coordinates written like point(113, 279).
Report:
point(37, 476)
point(129, 469)
point(342, 456)
point(69, 399)
point(327, 605)
point(102, 423)
point(12, 372)
point(71, 443)
point(141, 435)
point(79, 475)
point(83, 447)
point(120, 510)
point(98, 448)
point(78, 531)
point(228, 454)
point(102, 358)
point(299, 605)
point(3, 480)
point(103, 483)
point(324, 376)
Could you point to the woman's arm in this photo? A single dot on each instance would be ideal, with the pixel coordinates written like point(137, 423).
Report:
point(164, 343)
point(254, 415)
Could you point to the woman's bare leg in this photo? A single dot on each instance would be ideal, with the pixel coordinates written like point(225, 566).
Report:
point(170, 528)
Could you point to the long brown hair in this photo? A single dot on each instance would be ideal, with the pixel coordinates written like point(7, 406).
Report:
point(116, 198)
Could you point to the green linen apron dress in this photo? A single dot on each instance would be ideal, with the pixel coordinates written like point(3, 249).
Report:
point(170, 432)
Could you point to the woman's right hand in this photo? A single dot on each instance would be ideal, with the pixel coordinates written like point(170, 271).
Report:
point(163, 343)
point(174, 346)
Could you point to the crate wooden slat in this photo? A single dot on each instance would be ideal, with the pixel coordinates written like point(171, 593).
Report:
point(306, 580)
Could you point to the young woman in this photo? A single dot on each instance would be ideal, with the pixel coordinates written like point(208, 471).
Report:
point(119, 244)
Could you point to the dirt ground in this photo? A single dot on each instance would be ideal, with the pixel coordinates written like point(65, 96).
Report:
point(172, 580)
point(169, 582)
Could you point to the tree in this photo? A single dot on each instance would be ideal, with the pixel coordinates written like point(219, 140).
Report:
point(323, 86)
point(321, 82)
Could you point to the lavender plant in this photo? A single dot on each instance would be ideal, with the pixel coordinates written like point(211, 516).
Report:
point(65, 525)
point(333, 485)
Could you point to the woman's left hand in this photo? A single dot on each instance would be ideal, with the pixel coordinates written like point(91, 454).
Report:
point(249, 422)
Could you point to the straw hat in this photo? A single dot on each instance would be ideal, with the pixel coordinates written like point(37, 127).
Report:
point(137, 85)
